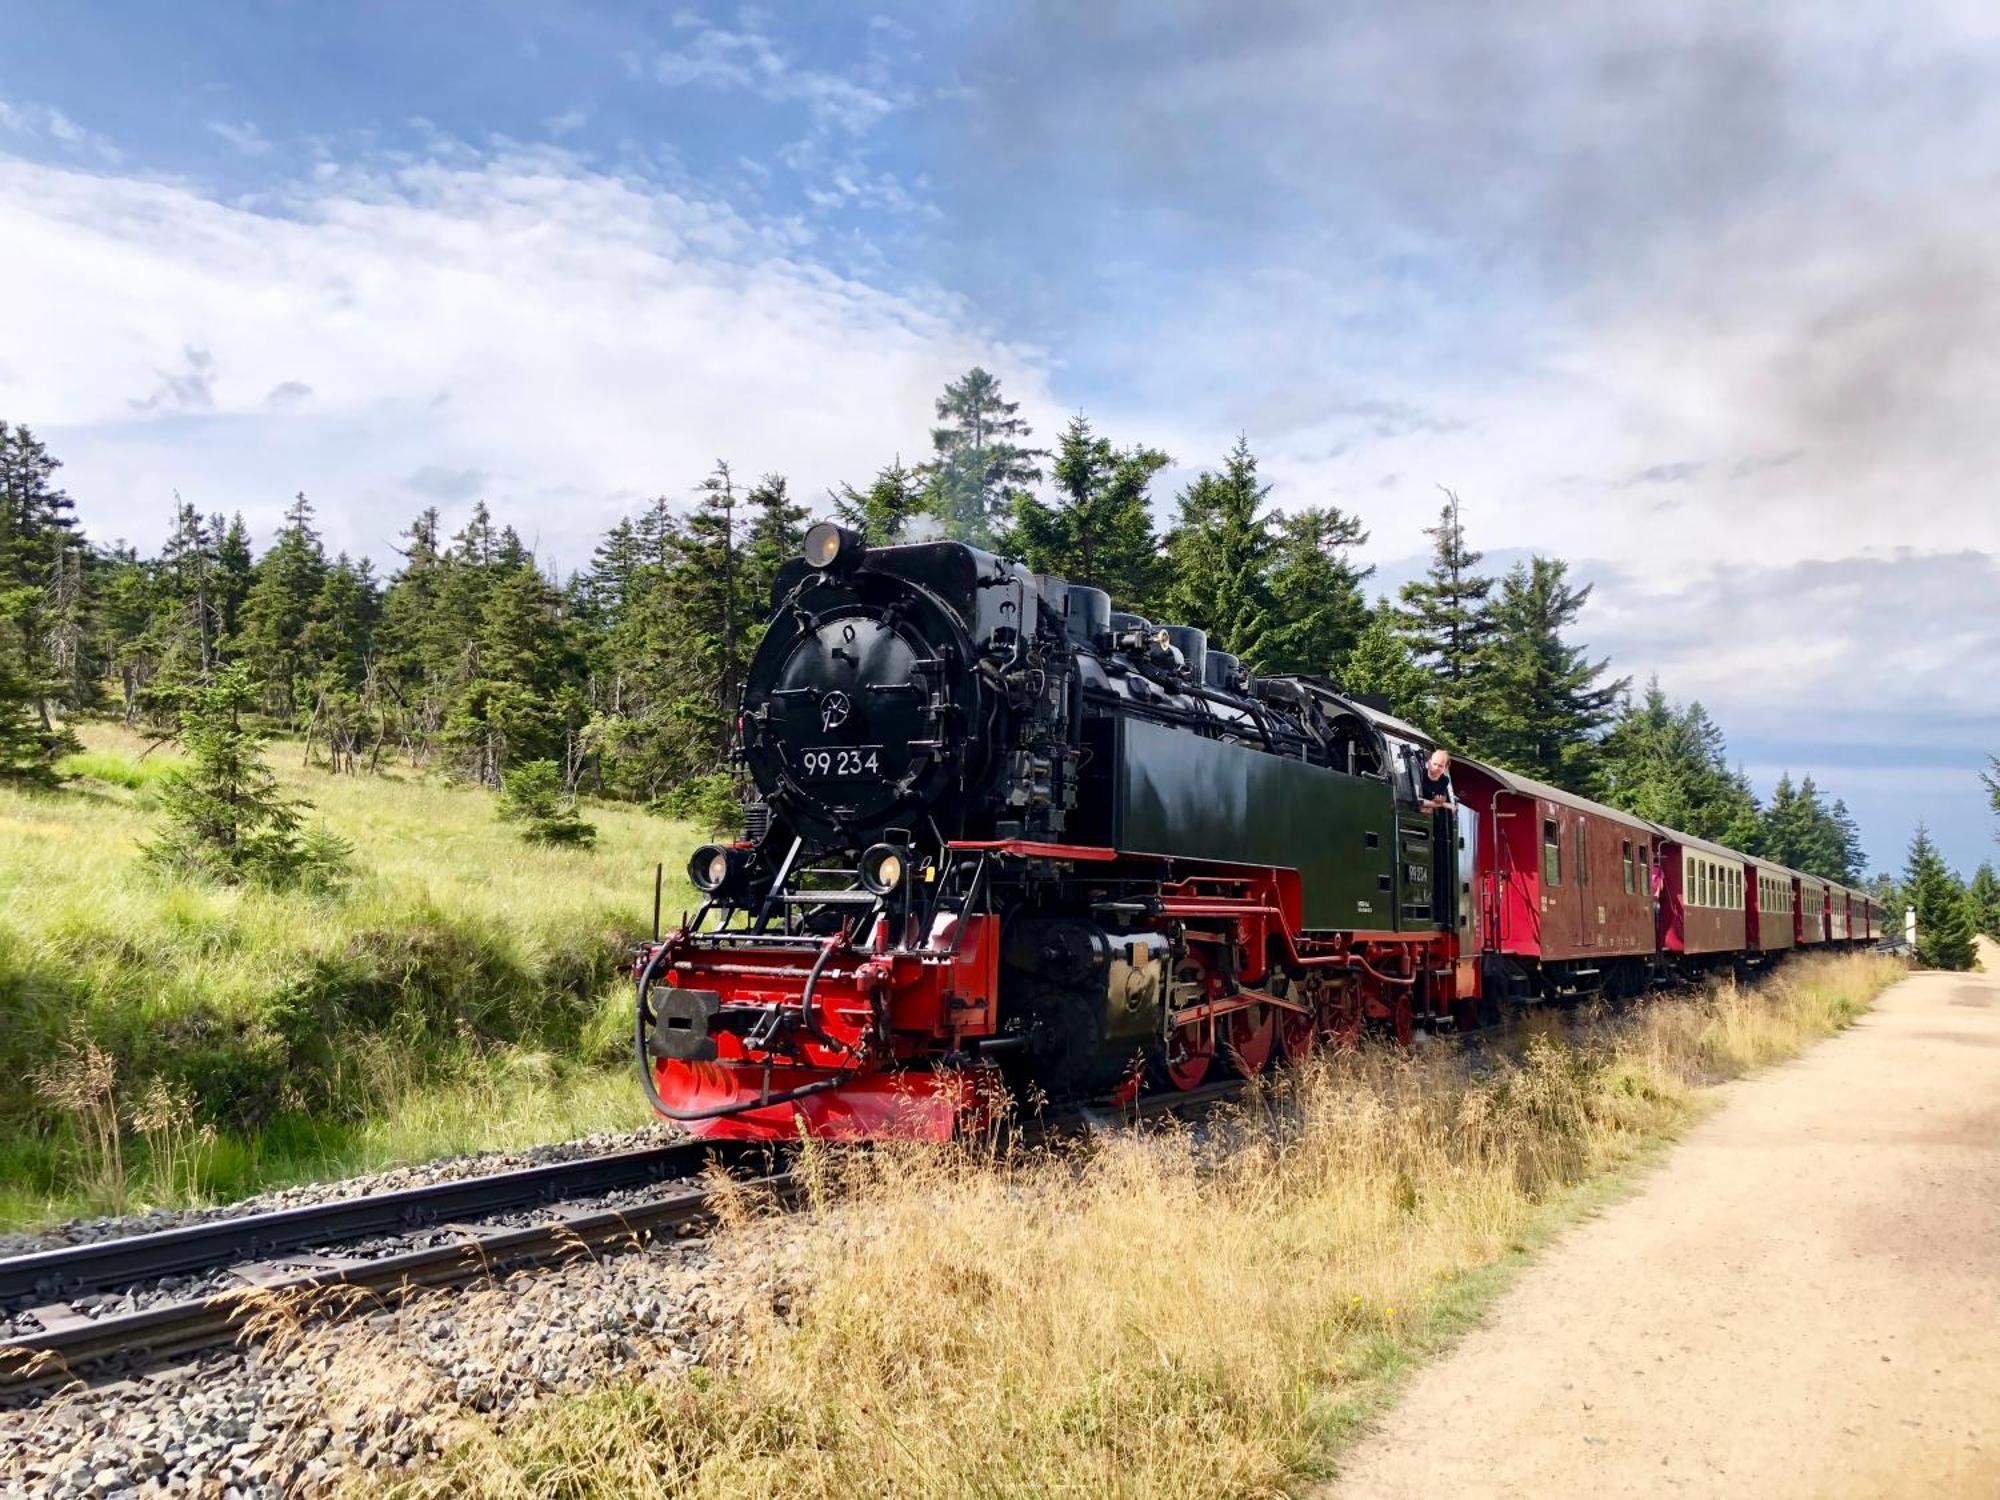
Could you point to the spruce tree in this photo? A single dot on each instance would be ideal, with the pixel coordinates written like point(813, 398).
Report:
point(534, 797)
point(519, 702)
point(885, 510)
point(221, 812)
point(1449, 622)
point(1321, 610)
point(284, 585)
point(1983, 899)
point(1219, 558)
point(1381, 666)
point(234, 567)
point(1099, 528)
point(1547, 703)
point(777, 531)
point(1944, 926)
point(980, 459)
point(37, 535)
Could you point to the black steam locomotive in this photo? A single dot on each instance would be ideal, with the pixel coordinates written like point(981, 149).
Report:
point(1006, 837)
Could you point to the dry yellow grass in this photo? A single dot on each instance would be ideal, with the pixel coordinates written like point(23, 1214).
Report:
point(1158, 1315)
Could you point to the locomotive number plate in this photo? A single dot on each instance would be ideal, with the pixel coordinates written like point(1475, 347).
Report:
point(840, 762)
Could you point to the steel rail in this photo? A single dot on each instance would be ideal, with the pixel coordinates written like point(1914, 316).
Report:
point(148, 1335)
point(102, 1265)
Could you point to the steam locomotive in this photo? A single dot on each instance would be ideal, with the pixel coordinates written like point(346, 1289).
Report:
point(1009, 841)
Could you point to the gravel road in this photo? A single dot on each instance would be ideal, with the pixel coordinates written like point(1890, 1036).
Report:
point(1802, 1300)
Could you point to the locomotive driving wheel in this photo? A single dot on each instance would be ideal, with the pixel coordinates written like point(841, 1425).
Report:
point(1298, 1030)
point(1190, 1047)
point(1344, 1008)
point(1252, 1033)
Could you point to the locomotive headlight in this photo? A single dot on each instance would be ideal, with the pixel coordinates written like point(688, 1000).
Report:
point(882, 869)
point(827, 544)
point(709, 867)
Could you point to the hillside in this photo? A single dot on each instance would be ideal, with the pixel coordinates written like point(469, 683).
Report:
point(464, 992)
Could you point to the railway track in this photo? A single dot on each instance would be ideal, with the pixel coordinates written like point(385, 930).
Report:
point(460, 1231)
point(473, 1229)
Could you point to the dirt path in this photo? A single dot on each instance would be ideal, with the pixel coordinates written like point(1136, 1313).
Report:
point(1803, 1300)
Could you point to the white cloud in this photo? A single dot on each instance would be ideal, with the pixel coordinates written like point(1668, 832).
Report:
point(243, 136)
point(565, 341)
point(37, 123)
point(752, 61)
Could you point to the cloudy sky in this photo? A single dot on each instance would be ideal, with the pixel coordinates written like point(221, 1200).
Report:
point(1701, 296)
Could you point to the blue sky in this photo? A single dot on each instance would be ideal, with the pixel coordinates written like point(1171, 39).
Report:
point(1695, 294)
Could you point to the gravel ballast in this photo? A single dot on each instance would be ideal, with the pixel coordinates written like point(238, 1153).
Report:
point(305, 1407)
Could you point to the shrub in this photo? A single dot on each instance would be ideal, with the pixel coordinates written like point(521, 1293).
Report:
point(534, 796)
point(713, 802)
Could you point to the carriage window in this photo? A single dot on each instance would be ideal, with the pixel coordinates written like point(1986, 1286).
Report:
point(1552, 853)
point(1625, 863)
point(1582, 853)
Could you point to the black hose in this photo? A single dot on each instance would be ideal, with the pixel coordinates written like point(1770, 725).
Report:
point(646, 1081)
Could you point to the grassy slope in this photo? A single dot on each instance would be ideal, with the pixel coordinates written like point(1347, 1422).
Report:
point(464, 993)
point(1142, 1320)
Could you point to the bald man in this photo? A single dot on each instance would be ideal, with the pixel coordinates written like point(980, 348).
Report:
point(1434, 786)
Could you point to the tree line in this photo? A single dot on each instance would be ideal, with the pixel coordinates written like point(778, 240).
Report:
point(471, 659)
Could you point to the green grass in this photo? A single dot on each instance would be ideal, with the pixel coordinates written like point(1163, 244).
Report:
point(465, 992)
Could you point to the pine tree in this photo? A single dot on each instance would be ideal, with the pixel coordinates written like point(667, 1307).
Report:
point(535, 797)
point(1846, 844)
point(1219, 558)
point(1381, 666)
point(233, 575)
point(519, 703)
point(222, 814)
point(1547, 704)
point(1320, 607)
point(885, 510)
point(1983, 898)
point(1449, 622)
point(980, 460)
point(1099, 530)
point(777, 531)
point(284, 585)
point(1944, 926)
point(711, 612)
point(37, 536)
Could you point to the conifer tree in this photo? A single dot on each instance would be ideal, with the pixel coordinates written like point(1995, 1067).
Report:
point(222, 814)
point(1546, 704)
point(1099, 529)
point(232, 577)
point(1449, 622)
point(1381, 666)
point(284, 585)
point(1321, 610)
point(884, 511)
point(519, 702)
point(1983, 898)
point(534, 797)
point(37, 535)
point(1218, 560)
point(980, 459)
point(1944, 926)
point(1671, 765)
point(710, 601)
point(777, 531)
